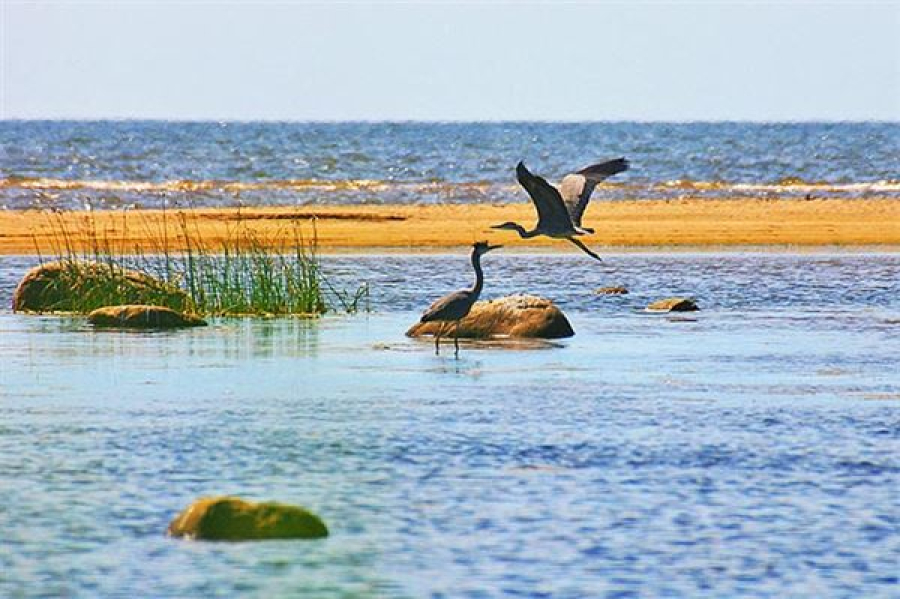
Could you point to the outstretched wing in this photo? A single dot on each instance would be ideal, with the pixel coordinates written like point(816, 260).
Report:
point(551, 210)
point(576, 188)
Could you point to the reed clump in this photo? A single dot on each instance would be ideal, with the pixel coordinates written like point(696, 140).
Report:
point(241, 273)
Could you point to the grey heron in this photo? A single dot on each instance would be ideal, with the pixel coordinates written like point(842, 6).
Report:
point(453, 307)
point(560, 210)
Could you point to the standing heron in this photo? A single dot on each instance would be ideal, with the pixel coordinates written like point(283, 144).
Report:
point(453, 307)
point(560, 210)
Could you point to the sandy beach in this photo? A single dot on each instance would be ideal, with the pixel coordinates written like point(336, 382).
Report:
point(688, 223)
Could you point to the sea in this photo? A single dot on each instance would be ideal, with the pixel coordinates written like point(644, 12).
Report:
point(152, 164)
point(748, 449)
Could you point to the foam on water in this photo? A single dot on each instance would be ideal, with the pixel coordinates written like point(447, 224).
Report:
point(26, 192)
point(147, 164)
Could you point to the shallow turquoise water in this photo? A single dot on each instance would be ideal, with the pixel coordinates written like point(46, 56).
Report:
point(750, 449)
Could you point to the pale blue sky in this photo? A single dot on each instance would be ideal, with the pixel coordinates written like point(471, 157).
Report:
point(435, 61)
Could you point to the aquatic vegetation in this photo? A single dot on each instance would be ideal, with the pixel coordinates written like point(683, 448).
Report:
point(240, 273)
point(248, 274)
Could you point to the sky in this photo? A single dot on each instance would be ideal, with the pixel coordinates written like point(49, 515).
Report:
point(429, 60)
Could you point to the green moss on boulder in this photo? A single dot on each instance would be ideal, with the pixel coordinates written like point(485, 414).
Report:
point(82, 286)
point(233, 519)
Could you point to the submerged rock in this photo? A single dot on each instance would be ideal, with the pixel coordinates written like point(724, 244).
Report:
point(674, 304)
point(617, 290)
point(142, 317)
point(233, 519)
point(73, 285)
point(511, 316)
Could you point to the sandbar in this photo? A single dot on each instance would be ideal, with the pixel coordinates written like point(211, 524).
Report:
point(628, 224)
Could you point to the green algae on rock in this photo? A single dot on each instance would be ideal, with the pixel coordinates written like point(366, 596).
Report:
point(82, 286)
point(234, 519)
point(137, 316)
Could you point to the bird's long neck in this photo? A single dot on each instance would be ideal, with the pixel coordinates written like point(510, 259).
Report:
point(479, 274)
point(524, 233)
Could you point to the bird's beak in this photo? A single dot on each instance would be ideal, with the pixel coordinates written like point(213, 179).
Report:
point(496, 226)
point(494, 247)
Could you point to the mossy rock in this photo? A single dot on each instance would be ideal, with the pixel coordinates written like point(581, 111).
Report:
point(233, 519)
point(82, 286)
point(521, 316)
point(142, 317)
point(674, 304)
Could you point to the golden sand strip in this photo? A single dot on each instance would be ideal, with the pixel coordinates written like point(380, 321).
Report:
point(693, 223)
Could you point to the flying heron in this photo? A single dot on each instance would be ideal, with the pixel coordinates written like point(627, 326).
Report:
point(453, 307)
point(560, 210)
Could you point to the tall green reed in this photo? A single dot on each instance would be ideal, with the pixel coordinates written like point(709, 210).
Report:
point(243, 273)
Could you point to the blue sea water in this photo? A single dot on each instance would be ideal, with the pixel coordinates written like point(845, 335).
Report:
point(747, 450)
point(751, 449)
point(113, 164)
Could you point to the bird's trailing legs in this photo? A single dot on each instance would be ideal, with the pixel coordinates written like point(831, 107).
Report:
point(456, 339)
point(585, 249)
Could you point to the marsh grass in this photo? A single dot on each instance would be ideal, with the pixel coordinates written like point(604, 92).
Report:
point(243, 273)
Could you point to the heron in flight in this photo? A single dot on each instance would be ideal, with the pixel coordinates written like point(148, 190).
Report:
point(560, 210)
point(453, 307)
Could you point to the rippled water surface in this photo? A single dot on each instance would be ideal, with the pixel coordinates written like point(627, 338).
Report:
point(749, 449)
point(77, 164)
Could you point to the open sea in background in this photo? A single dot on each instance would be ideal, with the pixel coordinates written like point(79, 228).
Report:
point(112, 164)
point(751, 449)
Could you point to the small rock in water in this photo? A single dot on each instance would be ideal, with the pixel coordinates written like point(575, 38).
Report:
point(616, 290)
point(511, 316)
point(233, 519)
point(674, 304)
point(142, 317)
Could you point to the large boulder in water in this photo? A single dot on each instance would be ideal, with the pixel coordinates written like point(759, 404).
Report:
point(142, 317)
point(233, 519)
point(511, 316)
point(81, 286)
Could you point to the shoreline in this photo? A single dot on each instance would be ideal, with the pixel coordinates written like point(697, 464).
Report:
point(626, 226)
